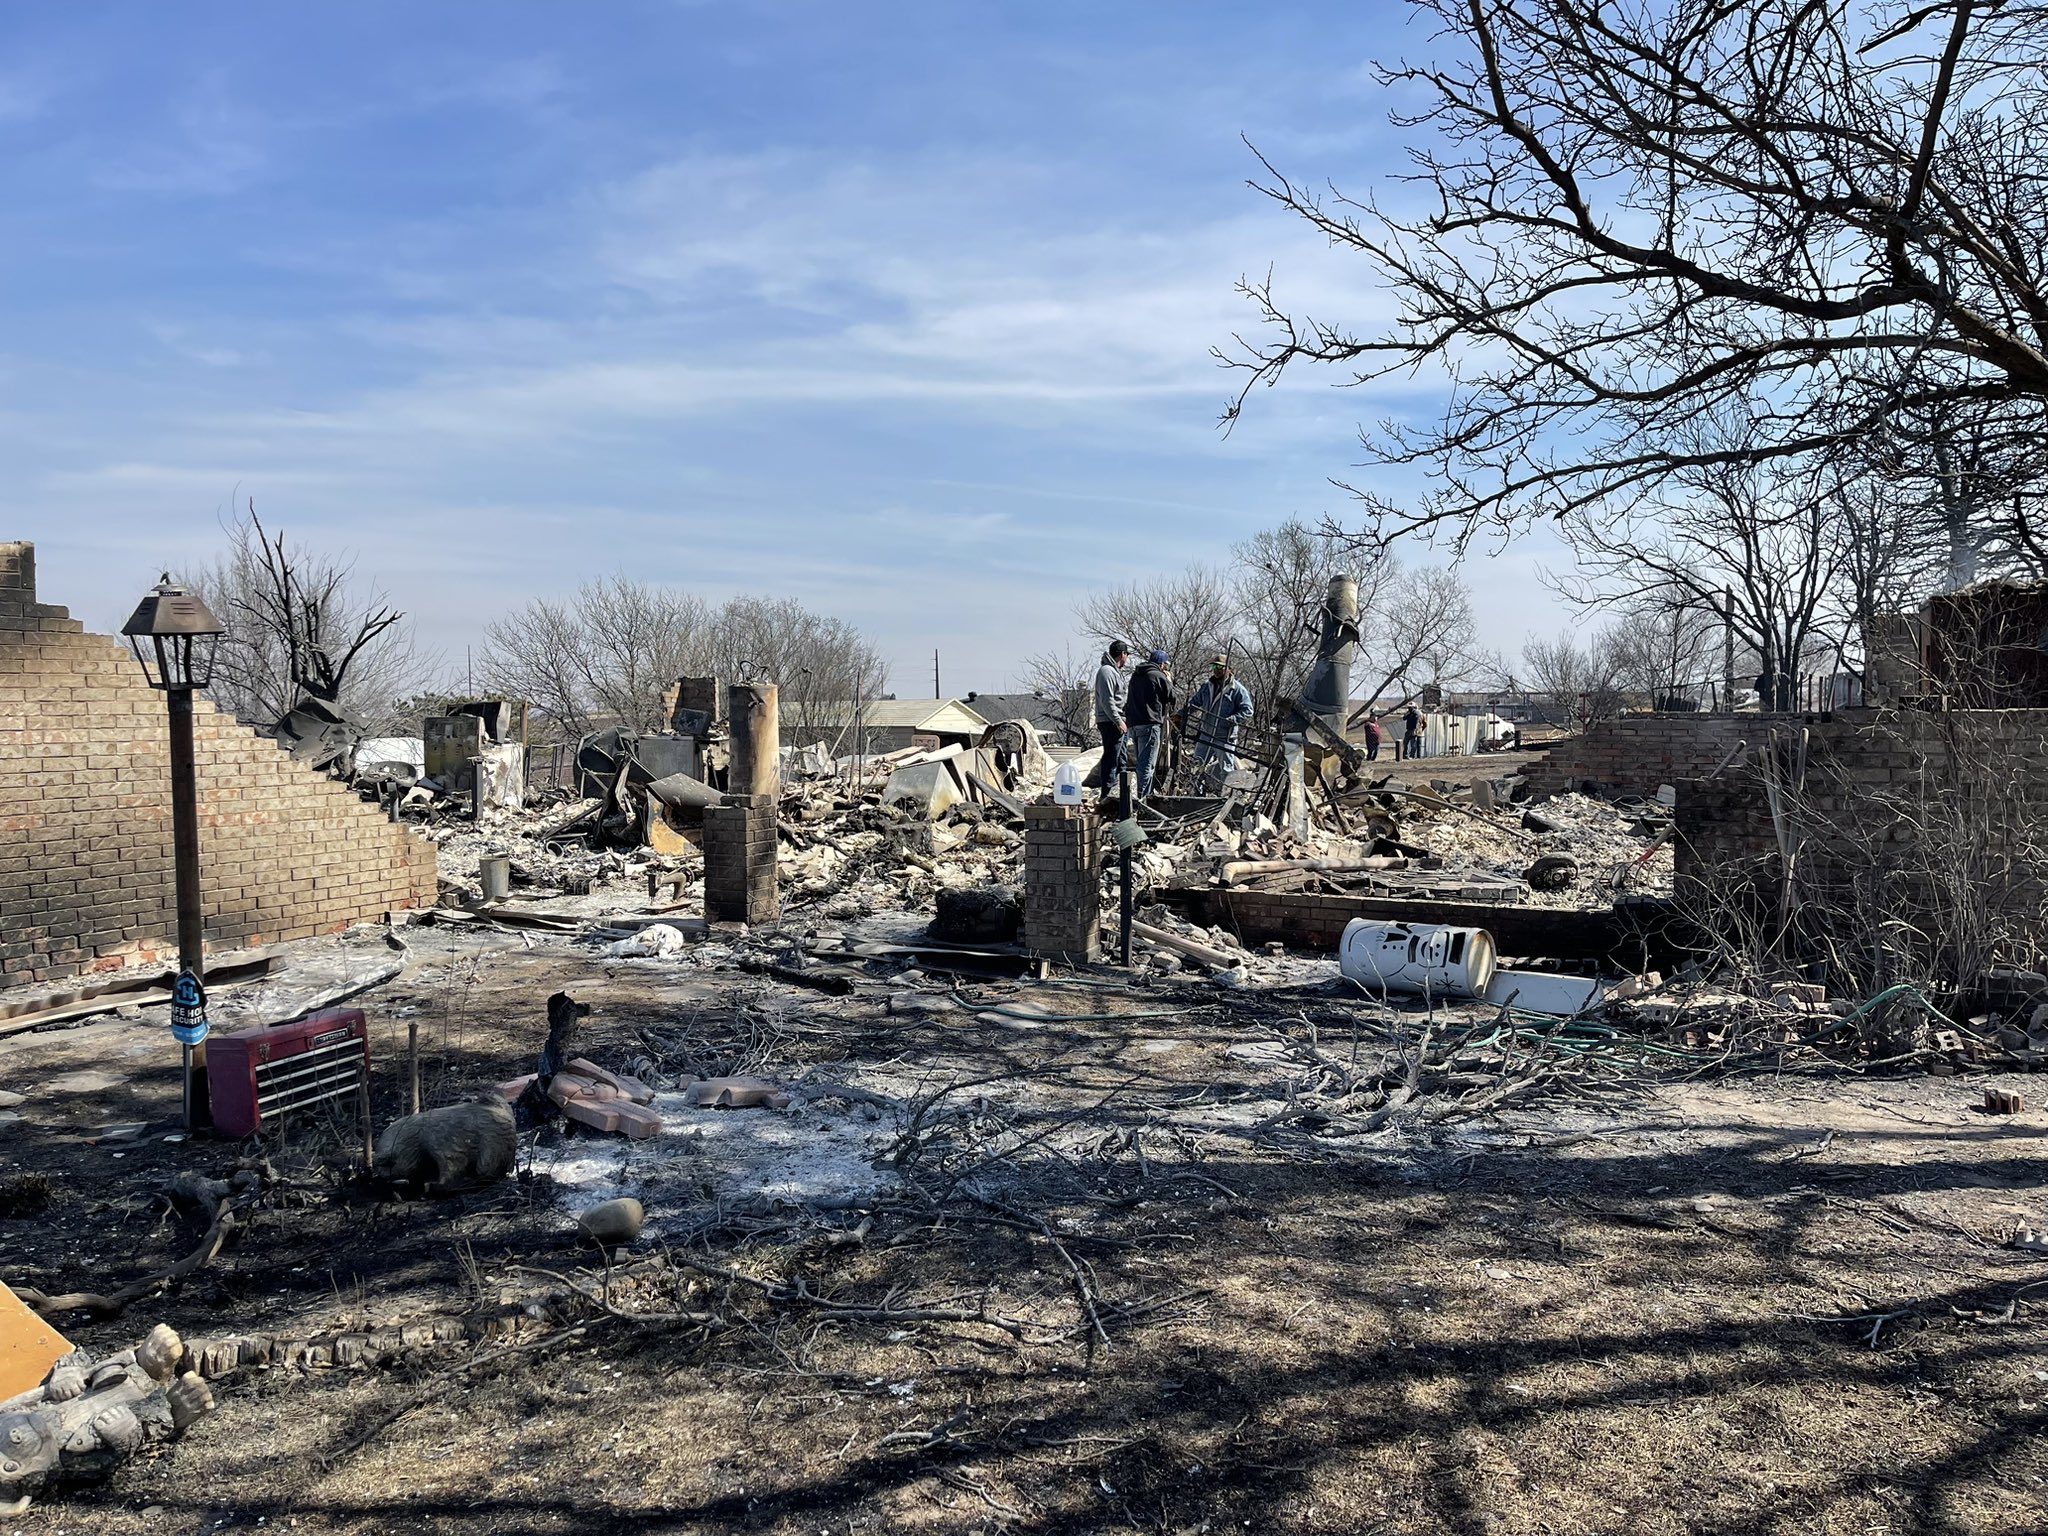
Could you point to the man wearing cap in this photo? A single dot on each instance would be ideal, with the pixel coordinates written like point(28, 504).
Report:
point(1109, 711)
point(1219, 706)
point(1147, 708)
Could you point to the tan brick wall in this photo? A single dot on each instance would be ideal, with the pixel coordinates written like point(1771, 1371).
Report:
point(85, 817)
point(1867, 773)
point(1636, 753)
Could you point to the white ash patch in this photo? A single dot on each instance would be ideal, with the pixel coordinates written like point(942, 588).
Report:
point(810, 1155)
point(1592, 831)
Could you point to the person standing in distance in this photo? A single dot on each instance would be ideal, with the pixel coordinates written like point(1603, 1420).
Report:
point(1147, 708)
point(1109, 712)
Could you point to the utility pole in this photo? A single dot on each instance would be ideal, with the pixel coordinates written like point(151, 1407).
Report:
point(935, 674)
point(1728, 650)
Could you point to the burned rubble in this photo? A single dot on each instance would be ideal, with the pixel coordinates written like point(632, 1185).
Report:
point(899, 1100)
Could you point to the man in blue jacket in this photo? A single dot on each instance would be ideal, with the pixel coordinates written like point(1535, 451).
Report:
point(1218, 708)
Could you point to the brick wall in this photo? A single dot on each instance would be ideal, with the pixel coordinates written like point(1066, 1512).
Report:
point(1062, 882)
point(1875, 784)
point(1636, 753)
point(85, 815)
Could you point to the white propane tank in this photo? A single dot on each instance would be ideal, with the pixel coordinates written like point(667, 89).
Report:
point(1066, 785)
point(1417, 958)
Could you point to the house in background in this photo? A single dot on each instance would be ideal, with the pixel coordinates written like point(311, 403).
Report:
point(1058, 722)
point(882, 725)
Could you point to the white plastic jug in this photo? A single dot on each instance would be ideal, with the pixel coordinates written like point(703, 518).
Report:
point(1417, 957)
point(1066, 785)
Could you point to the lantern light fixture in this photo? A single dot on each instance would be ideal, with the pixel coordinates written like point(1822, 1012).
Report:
point(183, 636)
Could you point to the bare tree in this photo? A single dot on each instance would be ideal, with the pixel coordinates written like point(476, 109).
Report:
point(301, 625)
point(1416, 630)
point(604, 658)
point(1189, 616)
point(1065, 681)
point(1279, 581)
point(1760, 545)
point(1573, 683)
point(821, 664)
point(1826, 218)
point(1666, 646)
point(609, 655)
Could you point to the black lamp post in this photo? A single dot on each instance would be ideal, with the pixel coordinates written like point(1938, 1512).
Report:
point(182, 636)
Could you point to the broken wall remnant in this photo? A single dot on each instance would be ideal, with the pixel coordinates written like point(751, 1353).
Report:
point(696, 706)
point(740, 861)
point(85, 822)
point(1916, 838)
point(1986, 646)
point(1062, 882)
point(1634, 754)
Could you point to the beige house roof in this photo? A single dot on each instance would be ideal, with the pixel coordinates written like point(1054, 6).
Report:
point(947, 717)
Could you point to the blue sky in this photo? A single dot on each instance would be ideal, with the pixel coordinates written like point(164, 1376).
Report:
point(902, 308)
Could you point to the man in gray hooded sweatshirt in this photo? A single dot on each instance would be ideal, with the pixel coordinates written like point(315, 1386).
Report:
point(1109, 711)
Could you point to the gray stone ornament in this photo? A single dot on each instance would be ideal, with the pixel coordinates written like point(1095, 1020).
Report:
point(89, 1417)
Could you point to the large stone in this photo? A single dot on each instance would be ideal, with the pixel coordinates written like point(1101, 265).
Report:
point(614, 1222)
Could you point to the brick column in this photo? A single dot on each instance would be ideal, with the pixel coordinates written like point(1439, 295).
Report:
point(18, 570)
point(1062, 882)
point(739, 861)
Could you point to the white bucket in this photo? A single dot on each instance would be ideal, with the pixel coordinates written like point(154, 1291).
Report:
point(1417, 958)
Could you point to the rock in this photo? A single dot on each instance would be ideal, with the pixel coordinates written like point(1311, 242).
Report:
point(8, 1100)
point(614, 1222)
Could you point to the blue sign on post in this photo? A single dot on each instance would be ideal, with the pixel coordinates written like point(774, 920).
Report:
point(188, 1010)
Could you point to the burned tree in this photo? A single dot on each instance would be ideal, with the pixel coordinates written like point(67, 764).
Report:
point(1823, 217)
point(301, 626)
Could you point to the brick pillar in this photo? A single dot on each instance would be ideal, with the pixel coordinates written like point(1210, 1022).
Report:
point(18, 570)
point(1062, 882)
point(739, 861)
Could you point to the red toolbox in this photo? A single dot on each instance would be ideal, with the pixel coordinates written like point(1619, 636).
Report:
point(257, 1075)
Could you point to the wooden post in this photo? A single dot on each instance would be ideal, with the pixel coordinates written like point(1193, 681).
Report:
point(369, 1130)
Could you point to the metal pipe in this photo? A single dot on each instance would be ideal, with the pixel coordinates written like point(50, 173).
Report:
point(1123, 860)
point(754, 720)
